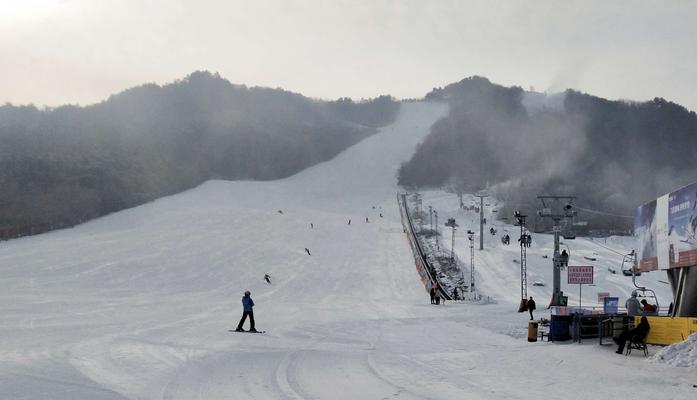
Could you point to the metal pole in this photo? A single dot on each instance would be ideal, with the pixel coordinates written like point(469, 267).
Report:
point(579, 295)
point(470, 236)
point(556, 281)
point(452, 246)
point(430, 215)
point(481, 223)
point(472, 289)
point(437, 245)
point(523, 295)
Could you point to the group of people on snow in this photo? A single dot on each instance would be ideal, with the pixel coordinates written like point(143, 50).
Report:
point(436, 294)
point(525, 240)
point(505, 239)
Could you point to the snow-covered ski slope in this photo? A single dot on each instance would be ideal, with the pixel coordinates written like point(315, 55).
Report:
point(138, 304)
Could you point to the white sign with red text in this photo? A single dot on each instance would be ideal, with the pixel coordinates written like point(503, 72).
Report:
point(580, 274)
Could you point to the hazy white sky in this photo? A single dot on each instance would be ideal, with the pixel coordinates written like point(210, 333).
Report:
point(80, 51)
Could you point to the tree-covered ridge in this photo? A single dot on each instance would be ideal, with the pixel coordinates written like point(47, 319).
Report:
point(62, 166)
point(613, 155)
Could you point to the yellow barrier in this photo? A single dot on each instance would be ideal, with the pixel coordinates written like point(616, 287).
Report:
point(666, 330)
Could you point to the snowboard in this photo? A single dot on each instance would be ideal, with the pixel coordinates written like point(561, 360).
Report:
point(232, 330)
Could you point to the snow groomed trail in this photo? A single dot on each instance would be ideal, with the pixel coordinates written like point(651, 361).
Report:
point(137, 305)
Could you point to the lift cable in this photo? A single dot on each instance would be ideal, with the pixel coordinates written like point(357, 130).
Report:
point(603, 213)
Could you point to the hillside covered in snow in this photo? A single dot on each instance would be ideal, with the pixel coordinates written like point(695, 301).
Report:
point(139, 304)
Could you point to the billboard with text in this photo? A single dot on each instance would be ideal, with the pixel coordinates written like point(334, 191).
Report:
point(666, 231)
point(580, 274)
point(682, 221)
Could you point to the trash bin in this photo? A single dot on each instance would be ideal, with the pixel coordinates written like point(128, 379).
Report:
point(532, 331)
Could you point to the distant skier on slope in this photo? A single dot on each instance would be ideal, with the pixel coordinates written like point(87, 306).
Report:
point(307, 251)
point(267, 278)
point(247, 310)
point(312, 226)
point(366, 220)
point(349, 223)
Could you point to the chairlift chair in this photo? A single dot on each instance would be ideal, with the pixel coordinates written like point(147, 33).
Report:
point(630, 259)
point(569, 235)
point(567, 231)
point(629, 265)
point(647, 293)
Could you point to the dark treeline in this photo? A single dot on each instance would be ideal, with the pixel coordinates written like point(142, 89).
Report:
point(612, 155)
point(63, 166)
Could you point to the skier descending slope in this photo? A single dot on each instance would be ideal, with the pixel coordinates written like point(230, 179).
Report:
point(247, 310)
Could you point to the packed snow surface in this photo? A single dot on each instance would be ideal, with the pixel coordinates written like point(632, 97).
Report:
point(683, 354)
point(139, 304)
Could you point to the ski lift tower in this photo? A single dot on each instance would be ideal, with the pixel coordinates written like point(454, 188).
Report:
point(520, 220)
point(557, 208)
point(451, 223)
point(470, 236)
point(435, 214)
point(419, 203)
point(430, 215)
point(481, 196)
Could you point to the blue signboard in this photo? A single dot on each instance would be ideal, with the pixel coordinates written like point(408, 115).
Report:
point(611, 305)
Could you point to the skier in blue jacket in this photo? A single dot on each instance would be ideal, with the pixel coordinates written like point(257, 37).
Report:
point(248, 309)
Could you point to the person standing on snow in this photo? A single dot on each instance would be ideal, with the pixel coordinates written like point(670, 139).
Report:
point(632, 305)
point(267, 278)
point(433, 295)
point(247, 310)
point(531, 307)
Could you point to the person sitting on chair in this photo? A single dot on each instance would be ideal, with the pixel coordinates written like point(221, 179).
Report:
point(636, 335)
point(564, 259)
point(647, 308)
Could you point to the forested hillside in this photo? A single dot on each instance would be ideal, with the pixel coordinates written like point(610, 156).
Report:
point(63, 166)
point(612, 155)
